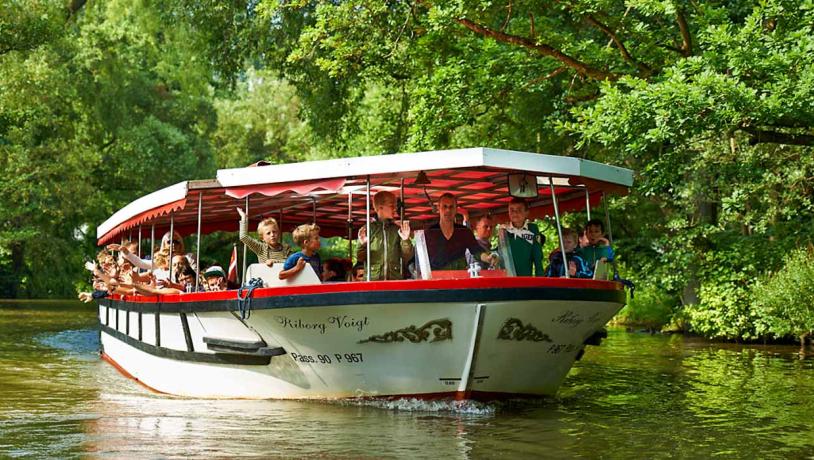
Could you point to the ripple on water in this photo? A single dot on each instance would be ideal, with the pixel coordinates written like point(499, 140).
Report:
point(81, 342)
point(636, 396)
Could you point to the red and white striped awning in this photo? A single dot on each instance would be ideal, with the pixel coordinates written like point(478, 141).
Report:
point(332, 191)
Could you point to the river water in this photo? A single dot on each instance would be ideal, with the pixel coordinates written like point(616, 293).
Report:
point(636, 396)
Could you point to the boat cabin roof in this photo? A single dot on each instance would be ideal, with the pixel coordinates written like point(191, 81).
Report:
point(332, 192)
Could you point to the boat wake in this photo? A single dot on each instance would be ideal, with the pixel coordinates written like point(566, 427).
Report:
point(450, 406)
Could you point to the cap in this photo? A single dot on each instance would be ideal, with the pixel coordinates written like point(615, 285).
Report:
point(213, 271)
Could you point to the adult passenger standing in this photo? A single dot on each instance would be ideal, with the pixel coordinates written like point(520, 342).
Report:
point(447, 242)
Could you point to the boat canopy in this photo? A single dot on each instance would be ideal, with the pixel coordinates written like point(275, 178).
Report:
point(331, 192)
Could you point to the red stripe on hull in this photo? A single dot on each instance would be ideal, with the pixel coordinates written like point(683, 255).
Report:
point(127, 374)
point(373, 286)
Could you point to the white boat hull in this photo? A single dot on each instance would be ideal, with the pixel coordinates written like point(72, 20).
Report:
point(465, 349)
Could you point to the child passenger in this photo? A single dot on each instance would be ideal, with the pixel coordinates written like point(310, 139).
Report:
point(358, 272)
point(596, 246)
point(389, 242)
point(525, 240)
point(576, 266)
point(215, 278)
point(306, 236)
point(270, 250)
point(334, 269)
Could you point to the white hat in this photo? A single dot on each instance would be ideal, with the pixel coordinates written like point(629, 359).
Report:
point(213, 271)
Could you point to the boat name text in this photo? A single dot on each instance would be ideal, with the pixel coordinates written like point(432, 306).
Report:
point(338, 322)
point(573, 319)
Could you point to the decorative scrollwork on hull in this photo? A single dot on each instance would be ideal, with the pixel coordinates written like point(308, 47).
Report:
point(441, 329)
point(514, 329)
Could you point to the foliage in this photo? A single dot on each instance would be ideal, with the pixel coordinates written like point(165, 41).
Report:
point(651, 307)
point(785, 298)
point(96, 105)
point(260, 121)
point(711, 102)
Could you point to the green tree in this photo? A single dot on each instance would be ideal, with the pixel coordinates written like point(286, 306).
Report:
point(260, 121)
point(710, 101)
point(98, 103)
point(785, 299)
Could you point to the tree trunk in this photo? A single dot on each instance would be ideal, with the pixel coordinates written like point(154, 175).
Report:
point(17, 269)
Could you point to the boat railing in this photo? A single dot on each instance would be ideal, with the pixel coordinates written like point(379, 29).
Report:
point(271, 275)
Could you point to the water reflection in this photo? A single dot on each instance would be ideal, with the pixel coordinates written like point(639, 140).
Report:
point(635, 396)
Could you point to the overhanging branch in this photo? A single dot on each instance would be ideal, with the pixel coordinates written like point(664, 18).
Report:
point(759, 136)
point(686, 45)
point(644, 70)
point(540, 48)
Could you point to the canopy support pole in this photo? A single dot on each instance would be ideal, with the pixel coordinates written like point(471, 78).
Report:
point(198, 243)
point(367, 228)
point(244, 244)
point(401, 199)
point(559, 226)
point(314, 210)
point(607, 218)
point(350, 226)
point(139, 241)
point(152, 249)
point(588, 203)
point(401, 216)
point(172, 237)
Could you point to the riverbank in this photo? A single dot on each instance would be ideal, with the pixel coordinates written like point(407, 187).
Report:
point(46, 303)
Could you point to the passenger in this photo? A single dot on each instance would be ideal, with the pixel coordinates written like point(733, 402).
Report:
point(334, 270)
point(181, 268)
point(358, 272)
point(160, 275)
point(270, 250)
point(389, 241)
point(525, 240)
point(176, 242)
point(100, 288)
point(596, 247)
point(447, 242)
point(215, 278)
point(306, 236)
point(106, 280)
point(483, 236)
point(576, 265)
point(186, 280)
point(126, 271)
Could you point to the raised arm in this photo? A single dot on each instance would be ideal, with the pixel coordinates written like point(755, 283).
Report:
point(255, 245)
point(132, 258)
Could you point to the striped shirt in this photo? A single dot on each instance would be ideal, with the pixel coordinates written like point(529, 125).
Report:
point(264, 251)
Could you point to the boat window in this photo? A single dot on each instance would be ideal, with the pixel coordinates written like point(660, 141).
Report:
point(422, 257)
point(504, 250)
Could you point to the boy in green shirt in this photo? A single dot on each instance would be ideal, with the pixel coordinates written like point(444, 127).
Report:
point(525, 240)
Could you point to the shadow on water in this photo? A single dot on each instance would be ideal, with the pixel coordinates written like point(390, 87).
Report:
point(635, 396)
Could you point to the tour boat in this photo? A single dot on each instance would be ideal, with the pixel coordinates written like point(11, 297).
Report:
point(452, 334)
